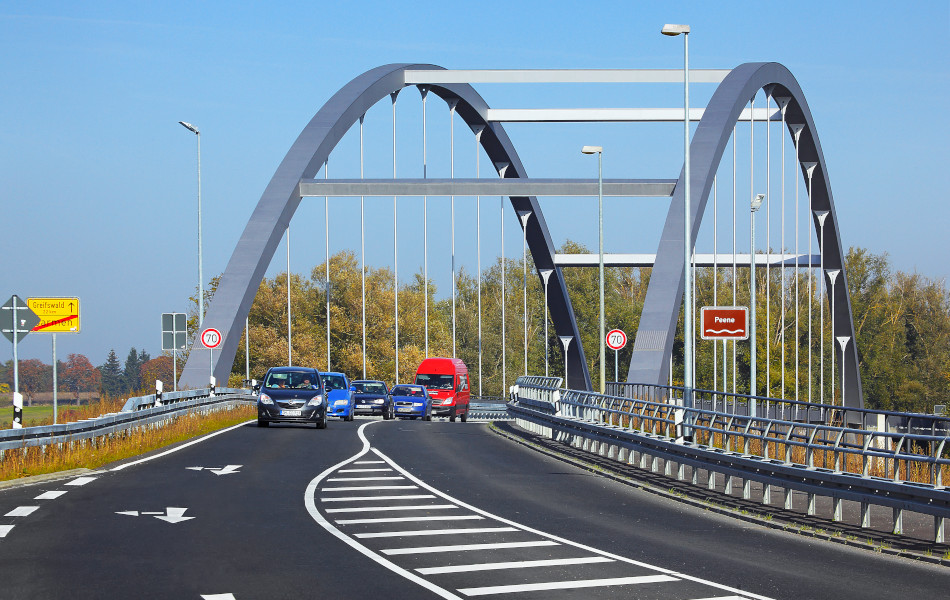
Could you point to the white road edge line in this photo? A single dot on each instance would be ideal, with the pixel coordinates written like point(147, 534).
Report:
point(309, 502)
point(742, 594)
point(177, 448)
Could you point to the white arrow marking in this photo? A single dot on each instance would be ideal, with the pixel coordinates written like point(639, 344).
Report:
point(218, 596)
point(194, 468)
point(227, 470)
point(175, 515)
point(131, 513)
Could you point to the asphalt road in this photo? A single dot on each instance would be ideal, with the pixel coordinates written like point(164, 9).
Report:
point(402, 510)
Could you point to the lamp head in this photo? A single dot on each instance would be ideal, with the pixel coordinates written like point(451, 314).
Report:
point(592, 149)
point(190, 127)
point(672, 30)
point(757, 202)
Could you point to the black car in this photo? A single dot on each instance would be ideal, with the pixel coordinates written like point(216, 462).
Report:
point(292, 395)
point(372, 398)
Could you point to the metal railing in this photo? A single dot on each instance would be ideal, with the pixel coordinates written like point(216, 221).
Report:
point(902, 470)
point(138, 411)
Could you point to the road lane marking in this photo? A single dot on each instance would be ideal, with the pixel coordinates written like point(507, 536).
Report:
point(382, 508)
point(177, 448)
point(364, 498)
point(566, 585)
point(370, 462)
point(21, 511)
point(364, 478)
point(467, 547)
point(363, 470)
point(515, 564)
point(4, 530)
point(419, 532)
point(51, 495)
point(81, 481)
point(359, 488)
point(408, 519)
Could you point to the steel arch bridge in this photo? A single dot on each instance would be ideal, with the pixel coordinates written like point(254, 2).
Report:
point(653, 344)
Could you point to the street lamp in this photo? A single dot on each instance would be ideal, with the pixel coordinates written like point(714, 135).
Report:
point(566, 342)
point(524, 216)
point(201, 292)
point(756, 205)
point(546, 275)
point(674, 30)
point(599, 151)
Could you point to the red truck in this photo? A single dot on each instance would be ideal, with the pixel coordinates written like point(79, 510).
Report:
point(446, 380)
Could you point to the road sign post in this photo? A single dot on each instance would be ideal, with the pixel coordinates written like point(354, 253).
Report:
point(57, 315)
point(616, 339)
point(211, 339)
point(16, 321)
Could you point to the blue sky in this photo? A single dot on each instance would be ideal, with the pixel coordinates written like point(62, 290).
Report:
point(98, 179)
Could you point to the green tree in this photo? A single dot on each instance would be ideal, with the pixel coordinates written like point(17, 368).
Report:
point(110, 375)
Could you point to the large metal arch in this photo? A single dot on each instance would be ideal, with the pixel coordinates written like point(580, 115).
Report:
point(654, 342)
point(255, 248)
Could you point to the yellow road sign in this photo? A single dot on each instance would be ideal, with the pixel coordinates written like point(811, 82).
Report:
point(57, 315)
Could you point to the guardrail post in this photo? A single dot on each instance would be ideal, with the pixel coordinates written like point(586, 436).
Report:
point(940, 524)
point(766, 494)
point(865, 515)
point(898, 521)
point(211, 386)
point(812, 504)
point(158, 392)
point(710, 480)
point(838, 513)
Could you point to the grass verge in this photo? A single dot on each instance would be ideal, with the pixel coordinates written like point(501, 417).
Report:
point(94, 453)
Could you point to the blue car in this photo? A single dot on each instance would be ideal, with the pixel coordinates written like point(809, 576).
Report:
point(341, 401)
point(412, 401)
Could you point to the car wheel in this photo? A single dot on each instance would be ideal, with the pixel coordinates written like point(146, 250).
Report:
point(322, 423)
point(262, 423)
point(464, 416)
point(452, 417)
point(428, 416)
point(349, 417)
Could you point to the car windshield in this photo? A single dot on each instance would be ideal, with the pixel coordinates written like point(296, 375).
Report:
point(408, 391)
point(370, 387)
point(303, 380)
point(334, 382)
point(435, 382)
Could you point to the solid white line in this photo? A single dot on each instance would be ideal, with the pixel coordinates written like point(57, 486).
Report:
point(724, 598)
point(383, 508)
point(518, 564)
point(363, 470)
point(565, 585)
point(364, 478)
point(356, 488)
point(408, 519)
point(435, 532)
point(4, 530)
point(176, 448)
point(467, 547)
point(21, 511)
point(51, 495)
point(370, 462)
point(81, 481)
point(308, 497)
point(361, 498)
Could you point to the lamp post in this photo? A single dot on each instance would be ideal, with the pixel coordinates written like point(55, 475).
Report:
point(524, 217)
point(674, 30)
point(566, 342)
point(832, 276)
point(599, 151)
point(821, 215)
point(545, 275)
point(201, 292)
point(843, 342)
point(756, 205)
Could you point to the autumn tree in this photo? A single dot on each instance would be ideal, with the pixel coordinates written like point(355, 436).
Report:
point(79, 375)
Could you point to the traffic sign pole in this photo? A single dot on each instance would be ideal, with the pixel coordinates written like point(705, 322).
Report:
point(17, 399)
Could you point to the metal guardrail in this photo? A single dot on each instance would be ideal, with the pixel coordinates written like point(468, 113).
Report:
point(137, 412)
point(844, 463)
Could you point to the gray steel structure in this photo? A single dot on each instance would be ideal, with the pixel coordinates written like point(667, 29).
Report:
point(654, 341)
point(241, 278)
point(653, 345)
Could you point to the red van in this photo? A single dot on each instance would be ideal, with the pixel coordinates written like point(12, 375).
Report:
point(446, 380)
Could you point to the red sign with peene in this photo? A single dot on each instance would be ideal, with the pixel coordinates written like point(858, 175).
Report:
point(725, 323)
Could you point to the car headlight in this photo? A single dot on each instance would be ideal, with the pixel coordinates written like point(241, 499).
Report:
point(378, 401)
point(339, 402)
point(315, 401)
point(449, 400)
point(265, 399)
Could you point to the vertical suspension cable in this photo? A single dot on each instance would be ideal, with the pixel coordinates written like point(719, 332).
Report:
point(735, 271)
point(811, 272)
point(715, 302)
point(768, 246)
point(784, 104)
point(478, 250)
point(425, 224)
point(504, 359)
point(326, 214)
point(362, 252)
point(452, 105)
point(797, 129)
point(753, 349)
point(395, 248)
point(289, 350)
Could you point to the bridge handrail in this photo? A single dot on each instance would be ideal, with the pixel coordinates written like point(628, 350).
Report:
point(809, 457)
point(136, 412)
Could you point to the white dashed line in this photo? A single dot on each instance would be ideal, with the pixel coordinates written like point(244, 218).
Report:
point(467, 547)
point(354, 488)
point(518, 564)
point(51, 495)
point(81, 481)
point(408, 519)
point(384, 508)
point(21, 511)
point(565, 585)
point(364, 498)
point(419, 532)
point(4, 530)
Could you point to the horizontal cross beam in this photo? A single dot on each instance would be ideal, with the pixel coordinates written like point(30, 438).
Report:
point(442, 76)
point(702, 260)
point(615, 115)
point(647, 188)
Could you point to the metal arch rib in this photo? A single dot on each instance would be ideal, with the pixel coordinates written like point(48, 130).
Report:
point(255, 248)
point(654, 342)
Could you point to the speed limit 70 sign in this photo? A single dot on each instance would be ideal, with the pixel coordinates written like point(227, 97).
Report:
point(211, 338)
point(616, 339)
